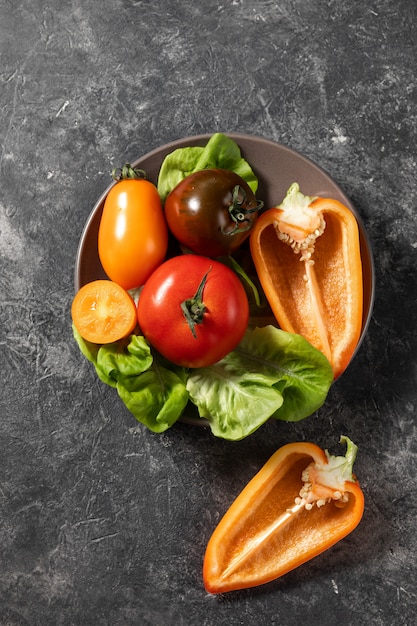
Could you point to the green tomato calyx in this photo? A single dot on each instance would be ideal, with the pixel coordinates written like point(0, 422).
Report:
point(127, 172)
point(239, 213)
point(194, 308)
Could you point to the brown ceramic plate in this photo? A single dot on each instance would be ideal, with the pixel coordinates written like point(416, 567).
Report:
point(276, 167)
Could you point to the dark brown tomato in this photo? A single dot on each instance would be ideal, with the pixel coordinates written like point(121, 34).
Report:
point(211, 212)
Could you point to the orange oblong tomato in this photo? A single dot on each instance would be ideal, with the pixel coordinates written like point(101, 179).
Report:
point(299, 504)
point(306, 252)
point(133, 234)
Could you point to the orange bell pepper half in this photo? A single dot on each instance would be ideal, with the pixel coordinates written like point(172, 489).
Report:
point(306, 252)
point(298, 505)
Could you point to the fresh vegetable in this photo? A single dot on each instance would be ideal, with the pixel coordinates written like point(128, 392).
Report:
point(267, 373)
point(271, 374)
point(307, 256)
point(193, 310)
point(133, 235)
point(298, 505)
point(211, 212)
point(220, 151)
point(103, 312)
point(152, 390)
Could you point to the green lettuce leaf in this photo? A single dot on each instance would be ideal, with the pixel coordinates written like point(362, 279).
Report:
point(302, 374)
point(234, 402)
point(88, 349)
point(156, 395)
point(272, 373)
point(128, 357)
point(220, 151)
point(157, 398)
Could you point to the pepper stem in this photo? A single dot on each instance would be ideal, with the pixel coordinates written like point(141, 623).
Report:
point(323, 482)
point(299, 224)
point(194, 308)
point(351, 451)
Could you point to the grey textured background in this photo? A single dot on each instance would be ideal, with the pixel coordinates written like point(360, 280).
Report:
point(101, 521)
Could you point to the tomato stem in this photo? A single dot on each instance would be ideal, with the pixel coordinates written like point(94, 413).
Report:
point(127, 172)
point(238, 213)
point(194, 308)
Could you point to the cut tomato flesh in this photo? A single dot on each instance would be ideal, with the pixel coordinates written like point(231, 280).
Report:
point(103, 312)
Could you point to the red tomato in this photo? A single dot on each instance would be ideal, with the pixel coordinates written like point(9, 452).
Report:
point(193, 310)
point(133, 235)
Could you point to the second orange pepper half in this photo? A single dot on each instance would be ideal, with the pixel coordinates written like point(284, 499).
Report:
point(306, 252)
point(299, 504)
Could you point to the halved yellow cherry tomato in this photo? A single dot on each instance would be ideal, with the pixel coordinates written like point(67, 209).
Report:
point(103, 312)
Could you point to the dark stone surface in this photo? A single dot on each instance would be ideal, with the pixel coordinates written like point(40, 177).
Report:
point(101, 521)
